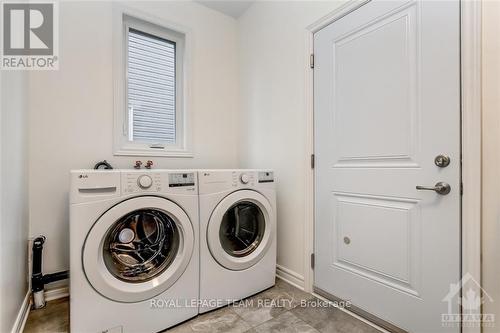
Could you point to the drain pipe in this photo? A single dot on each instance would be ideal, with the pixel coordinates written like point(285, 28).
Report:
point(36, 274)
point(38, 280)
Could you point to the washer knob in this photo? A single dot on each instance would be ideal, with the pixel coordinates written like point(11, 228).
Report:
point(144, 181)
point(244, 178)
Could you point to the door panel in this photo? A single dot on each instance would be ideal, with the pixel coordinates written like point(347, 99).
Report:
point(390, 219)
point(391, 65)
point(387, 102)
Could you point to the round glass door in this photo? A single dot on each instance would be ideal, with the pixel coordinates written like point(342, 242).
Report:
point(138, 249)
point(242, 229)
point(141, 245)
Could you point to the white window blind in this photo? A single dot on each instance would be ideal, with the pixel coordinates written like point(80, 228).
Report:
point(151, 88)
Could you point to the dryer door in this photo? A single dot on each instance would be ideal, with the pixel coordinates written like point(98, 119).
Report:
point(138, 249)
point(241, 229)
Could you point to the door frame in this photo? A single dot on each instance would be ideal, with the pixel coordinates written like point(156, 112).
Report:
point(470, 40)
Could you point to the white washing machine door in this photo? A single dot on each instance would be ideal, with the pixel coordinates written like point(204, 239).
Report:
point(138, 249)
point(241, 229)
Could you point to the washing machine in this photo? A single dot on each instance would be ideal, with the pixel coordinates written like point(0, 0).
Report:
point(134, 250)
point(237, 235)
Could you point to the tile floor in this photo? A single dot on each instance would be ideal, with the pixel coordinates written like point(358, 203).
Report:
point(279, 309)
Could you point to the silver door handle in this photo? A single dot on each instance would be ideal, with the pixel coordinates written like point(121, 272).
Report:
point(440, 188)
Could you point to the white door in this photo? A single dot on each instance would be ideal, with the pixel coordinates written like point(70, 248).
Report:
point(387, 102)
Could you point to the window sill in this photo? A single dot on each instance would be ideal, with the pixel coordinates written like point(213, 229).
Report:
point(164, 153)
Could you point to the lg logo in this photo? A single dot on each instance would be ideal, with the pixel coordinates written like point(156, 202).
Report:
point(28, 29)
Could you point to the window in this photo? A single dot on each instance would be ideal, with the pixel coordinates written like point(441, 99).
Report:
point(150, 88)
point(150, 110)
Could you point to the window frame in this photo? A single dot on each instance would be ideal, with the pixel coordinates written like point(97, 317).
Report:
point(124, 19)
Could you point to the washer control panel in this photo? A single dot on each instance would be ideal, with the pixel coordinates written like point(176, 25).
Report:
point(181, 179)
point(139, 182)
point(144, 181)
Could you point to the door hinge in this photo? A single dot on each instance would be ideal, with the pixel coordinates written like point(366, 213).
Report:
point(461, 188)
point(311, 61)
point(312, 260)
point(312, 161)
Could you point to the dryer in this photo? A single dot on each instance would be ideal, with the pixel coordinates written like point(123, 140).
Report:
point(237, 235)
point(134, 249)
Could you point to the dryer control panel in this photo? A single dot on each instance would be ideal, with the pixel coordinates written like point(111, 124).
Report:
point(243, 178)
point(212, 181)
point(266, 177)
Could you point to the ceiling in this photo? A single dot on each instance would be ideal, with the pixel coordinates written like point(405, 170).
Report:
point(233, 8)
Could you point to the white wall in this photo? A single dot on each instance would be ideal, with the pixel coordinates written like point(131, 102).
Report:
point(14, 196)
point(72, 109)
point(273, 65)
point(491, 159)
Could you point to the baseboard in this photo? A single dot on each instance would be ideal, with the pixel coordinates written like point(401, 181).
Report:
point(290, 276)
point(56, 293)
point(22, 316)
